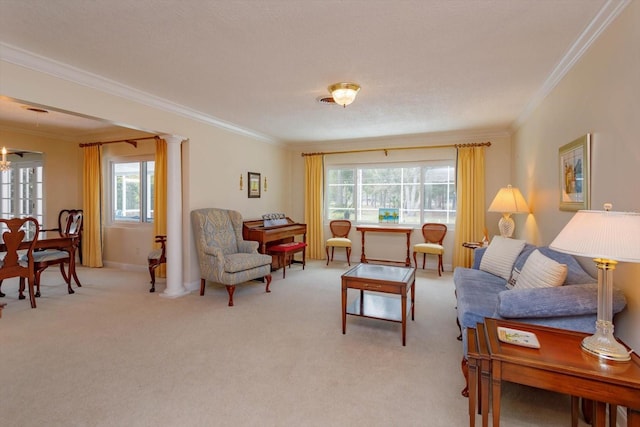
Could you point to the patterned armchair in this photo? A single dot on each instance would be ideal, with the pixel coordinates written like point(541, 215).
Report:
point(224, 256)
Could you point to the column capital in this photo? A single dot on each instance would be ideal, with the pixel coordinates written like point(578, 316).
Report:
point(174, 139)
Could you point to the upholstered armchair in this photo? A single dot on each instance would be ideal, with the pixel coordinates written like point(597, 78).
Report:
point(224, 256)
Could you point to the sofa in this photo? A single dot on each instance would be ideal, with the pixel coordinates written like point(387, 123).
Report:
point(569, 303)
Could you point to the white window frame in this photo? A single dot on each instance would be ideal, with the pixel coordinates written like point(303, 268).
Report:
point(358, 167)
point(145, 197)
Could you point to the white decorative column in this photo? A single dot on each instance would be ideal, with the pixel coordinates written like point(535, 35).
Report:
point(175, 287)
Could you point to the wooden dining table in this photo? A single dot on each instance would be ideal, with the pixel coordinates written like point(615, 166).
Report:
point(68, 244)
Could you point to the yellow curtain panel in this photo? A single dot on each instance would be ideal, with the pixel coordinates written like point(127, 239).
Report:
point(470, 211)
point(313, 187)
point(160, 198)
point(92, 207)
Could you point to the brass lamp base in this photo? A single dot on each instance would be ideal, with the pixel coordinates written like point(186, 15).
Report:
point(603, 344)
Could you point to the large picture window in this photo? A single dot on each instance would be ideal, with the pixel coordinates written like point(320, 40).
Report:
point(132, 191)
point(420, 193)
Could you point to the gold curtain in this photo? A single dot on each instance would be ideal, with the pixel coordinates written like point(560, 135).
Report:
point(92, 207)
point(313, 186)
point(470, 212)
point(160, 199)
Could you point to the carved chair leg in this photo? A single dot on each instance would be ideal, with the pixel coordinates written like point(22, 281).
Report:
point(349, 256)
point(37, 282)
point(440, 267)
point(152, 273)
point(332, 249)
point(414, 260)
point(465, 371)
point(202, 286)
point(67, 278)
point(326, 248)
point(424, 258)
point(268, 278)
point(230, 290)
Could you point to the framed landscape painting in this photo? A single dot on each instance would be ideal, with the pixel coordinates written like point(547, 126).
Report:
point(575, 176)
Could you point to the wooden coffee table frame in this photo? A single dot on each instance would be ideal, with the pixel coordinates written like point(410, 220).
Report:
point(380, 279)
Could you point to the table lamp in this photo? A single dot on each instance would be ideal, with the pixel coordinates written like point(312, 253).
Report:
point(608, 237)
point(508, 201)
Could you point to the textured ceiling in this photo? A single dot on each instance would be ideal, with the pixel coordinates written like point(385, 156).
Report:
point(424, 65)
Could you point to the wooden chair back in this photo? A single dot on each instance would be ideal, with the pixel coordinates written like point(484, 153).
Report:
point(13, 234)
point(70, 222)
point(434, 232)
point(340, 228)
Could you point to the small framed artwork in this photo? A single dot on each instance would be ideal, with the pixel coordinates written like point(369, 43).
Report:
point(253, 185)
point(575, 174)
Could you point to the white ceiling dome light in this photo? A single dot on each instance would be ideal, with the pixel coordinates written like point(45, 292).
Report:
point(344, 93)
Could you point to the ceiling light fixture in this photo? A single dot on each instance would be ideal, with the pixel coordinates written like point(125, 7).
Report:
point(4, 164)
point(344, 93)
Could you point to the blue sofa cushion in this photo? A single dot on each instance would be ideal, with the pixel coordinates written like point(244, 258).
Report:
point(553, 302)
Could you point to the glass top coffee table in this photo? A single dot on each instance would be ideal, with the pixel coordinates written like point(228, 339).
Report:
point(377, 280)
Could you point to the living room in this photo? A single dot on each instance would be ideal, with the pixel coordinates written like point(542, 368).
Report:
point(597, 95)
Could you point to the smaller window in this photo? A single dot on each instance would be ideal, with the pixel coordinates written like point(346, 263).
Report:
point(132, 194)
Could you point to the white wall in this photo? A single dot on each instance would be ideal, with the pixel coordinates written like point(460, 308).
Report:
point(600, 95)
point(386, 246)
point(212, 159)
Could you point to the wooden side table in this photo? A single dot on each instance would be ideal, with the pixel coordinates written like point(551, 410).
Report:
point(560, 365)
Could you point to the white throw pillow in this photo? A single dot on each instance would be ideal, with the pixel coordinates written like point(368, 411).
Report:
point(500, 256)
point(541, 272)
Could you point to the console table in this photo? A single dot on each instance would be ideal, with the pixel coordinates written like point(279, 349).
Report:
point(558, 365)
point(385, 229)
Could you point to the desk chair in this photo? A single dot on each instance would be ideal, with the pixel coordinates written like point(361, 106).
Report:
point(433, 234)
point(339, 238)
point(155, 258)
point(13, 265)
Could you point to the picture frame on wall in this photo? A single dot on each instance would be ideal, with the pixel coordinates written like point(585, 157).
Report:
point(253, 185)
point(575, 174)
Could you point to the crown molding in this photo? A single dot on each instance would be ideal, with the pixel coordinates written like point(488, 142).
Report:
point(609, 11)
point(67, 72)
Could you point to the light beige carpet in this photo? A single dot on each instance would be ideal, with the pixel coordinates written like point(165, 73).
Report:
point(113, 354)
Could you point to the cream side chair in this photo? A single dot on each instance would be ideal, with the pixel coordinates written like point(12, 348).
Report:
point(433, 234)
point(340, 231)
point(224, 256)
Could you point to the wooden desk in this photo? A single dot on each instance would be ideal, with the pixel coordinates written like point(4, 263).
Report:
point(385, 229)
point(384, 279)
point(560, 365)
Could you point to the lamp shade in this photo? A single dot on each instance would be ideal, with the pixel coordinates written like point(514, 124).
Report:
point(509, 200)
point(344, 93)
point(601, 234)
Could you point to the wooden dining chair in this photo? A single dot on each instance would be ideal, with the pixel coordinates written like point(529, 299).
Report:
point(14, 265)
point(42, 259)
point(155, 258)
point(69, 222)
